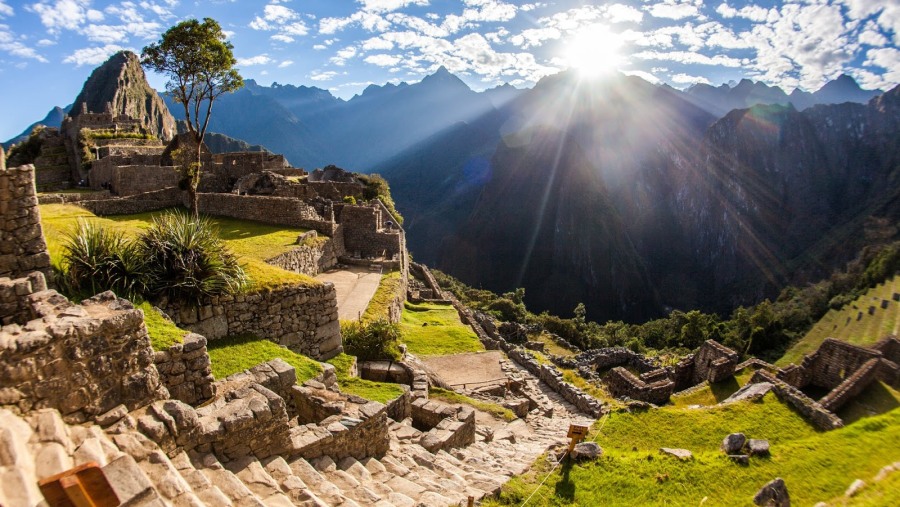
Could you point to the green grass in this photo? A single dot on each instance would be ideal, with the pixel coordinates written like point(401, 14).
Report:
point(875, 494)
point(388, 288)
point(238, 353)
point(368, 389)
point(815, 465)
point(847, 325)
point(435, 330)
point(878, 398)
point(714, 393)
point(550, 346)
point(163, 332)
point(496, 410)
point(252, 242)
point(571, 376)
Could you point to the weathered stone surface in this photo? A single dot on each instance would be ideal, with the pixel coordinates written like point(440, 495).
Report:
point(733, 443)
point(750, 392)
point(758, 447)
point(773, 494)
point(855, 487)
point(682, 454)
point(586, 451)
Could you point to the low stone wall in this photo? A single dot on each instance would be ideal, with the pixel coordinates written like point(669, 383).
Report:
point(304, 319)
point(14, 305)
point(445, 426)
point(72, 197)
point(22, 245)
point(184, 368)
point(852, 386)
point(622, 383)
point(365, 234)
point(554, 378)
point(132, 179)
point(270, 210)
point(812, 411)
point(83, 359)
point(141, 203)
point(247, 420)
point(308, 259)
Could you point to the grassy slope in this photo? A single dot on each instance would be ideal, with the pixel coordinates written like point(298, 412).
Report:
point(252, 242)
point(435, 330)
point(714, 393)
point(163, 333)
point(238, 353)
point(370, 390)
point(815, 465)
point(847, 325)
point(495, 409)
point(381, 300)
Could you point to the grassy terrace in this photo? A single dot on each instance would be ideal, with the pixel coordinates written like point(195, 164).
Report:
point(238, 353)
point(847, 325)
point(388, 287)
point(495, 409)
point(435, 330)
point(252, 242)
point(163, 332)
point(815, 465)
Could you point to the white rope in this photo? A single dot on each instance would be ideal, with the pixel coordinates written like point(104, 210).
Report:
point(606, 418)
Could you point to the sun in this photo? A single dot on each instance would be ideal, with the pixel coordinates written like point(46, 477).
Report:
point(593, 50)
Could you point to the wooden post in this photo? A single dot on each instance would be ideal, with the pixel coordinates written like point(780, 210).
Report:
point(471, 501)
point(576, 434)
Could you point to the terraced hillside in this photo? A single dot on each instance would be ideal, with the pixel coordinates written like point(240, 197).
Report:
point(866, 320)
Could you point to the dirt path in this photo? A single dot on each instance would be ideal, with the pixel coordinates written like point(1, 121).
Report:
point(355, 287)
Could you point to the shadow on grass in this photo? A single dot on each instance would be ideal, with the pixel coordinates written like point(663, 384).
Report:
point(724, 389)
point(875, 399)
point(565, 488)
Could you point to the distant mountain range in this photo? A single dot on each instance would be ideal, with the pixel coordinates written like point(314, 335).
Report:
point(627, 196)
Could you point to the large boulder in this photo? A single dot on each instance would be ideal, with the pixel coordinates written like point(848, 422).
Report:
point(773, 494)
point(733, 443)
point(586, 451)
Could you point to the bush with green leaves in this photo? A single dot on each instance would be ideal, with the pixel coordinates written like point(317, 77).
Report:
point(188, 259)
point(375, 340)
point(96, 259)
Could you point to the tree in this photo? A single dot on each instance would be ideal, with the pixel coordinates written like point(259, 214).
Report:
point(200, 66)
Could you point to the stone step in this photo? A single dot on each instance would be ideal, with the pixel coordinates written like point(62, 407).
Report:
point(131, 484)
point(317, 483)
point(251, 472)
point(50, 444)
point(168, 481)
point(206, 491)
point(229, 484)
point(291, 485)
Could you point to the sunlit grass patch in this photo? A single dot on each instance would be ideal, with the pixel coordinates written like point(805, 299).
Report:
point(368, 389)
point(435, 330)
point(241, 352)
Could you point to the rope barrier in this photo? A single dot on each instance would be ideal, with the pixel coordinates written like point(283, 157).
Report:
point(539, 486)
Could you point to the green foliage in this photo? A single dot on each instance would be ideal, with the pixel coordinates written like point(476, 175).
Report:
point(98, 134)
point(235, 354)
point(27, 151)
point(349, 199)
point(371, 341)
point(496, 410)
point(377, 187)
point(435, 330)
point(188, 259)
point(508, 310)
point(96, 259)
point(382, 392)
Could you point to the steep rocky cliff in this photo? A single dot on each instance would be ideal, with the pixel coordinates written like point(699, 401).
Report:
point(121, 83)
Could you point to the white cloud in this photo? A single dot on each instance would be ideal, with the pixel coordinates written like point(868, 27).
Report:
point(5, 10)
point(104, 34)
point(262, 59)
point(323, 76)
point(368, 20)
point(383, 60)
point(675, 9)
point(389, 5)
point(92, 56)
point(62, 14)
point(377, 44)
point(286, 63)
point(477, 12)
point(751, 12)
point(319, 47)
point(688, 79)
point(340, 58)
point(888, 59)
point(646, 76)
point(689, 58)
point(417, 24)
point(280, 19)
point(9, 44)
point(46, 42)
point(535, 37)
point(280, 37)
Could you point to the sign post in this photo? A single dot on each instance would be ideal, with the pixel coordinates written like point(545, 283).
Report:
point(576, 434)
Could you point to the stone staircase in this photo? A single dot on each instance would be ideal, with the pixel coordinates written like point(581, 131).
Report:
point(41, 444)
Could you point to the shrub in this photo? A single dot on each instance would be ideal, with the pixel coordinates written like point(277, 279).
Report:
point(96, 259)
point(371, 341)
point(349, 199)
point(27, 151)
point(188, 259)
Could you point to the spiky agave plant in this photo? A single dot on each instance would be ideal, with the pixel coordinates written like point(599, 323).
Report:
point(96, 259)
point(188, 259)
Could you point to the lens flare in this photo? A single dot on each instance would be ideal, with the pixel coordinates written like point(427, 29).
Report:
point(594, 50)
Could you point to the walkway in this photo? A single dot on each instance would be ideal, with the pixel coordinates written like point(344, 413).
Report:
point(355, 287)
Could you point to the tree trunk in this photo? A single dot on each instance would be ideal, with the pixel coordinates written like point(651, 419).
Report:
point(194, 183)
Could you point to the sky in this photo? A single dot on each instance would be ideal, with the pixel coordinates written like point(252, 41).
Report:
point(49, 47)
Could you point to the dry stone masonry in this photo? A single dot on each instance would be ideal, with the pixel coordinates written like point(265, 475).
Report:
point(184, 368)
point(22, 245)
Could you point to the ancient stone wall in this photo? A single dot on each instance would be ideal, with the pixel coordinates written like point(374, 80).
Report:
point(622, 383)
point(184, 368)
point(852, 386)
point(811, 410)
point(270, 210)
point(554, 378)
point(339, 436)
point(714, 362)
point(445, 426)
point(15, 307)
point(889, 348)
point(834, 361)
point(365, 235)
point(22, 245)
point(304, 319)
point(80, 359)
point(308, 259)
point(275, 375)
point(141, 203)
point(126, 180)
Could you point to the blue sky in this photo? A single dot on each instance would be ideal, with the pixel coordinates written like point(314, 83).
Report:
point(49, 47)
